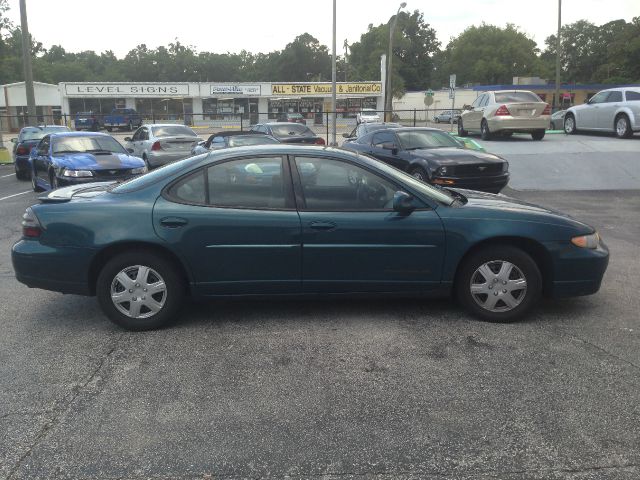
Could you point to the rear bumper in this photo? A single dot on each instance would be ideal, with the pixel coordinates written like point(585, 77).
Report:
point(162, 158)
point(58, 269)
point(492, 184)
point(22, 163)
point(577, 271)
point(518, 124)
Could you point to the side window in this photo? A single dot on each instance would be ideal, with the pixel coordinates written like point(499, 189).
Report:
point(383, 137)
point(144, 134)
point(248, 183)
point(335, 185)
point(599, 98)
point(136, 136)
point(365, 139)
point(632, 95)
point(614, 96)
point(217, 140)
point(43, 146)
point(485, 100)
point(190, 189)
point(476, 102)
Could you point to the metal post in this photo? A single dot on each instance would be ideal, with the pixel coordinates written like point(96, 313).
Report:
point(26, 61)
point(327, 122)
point(558, 52)
point(389, 96)
point(333, 80)
point(414, 117)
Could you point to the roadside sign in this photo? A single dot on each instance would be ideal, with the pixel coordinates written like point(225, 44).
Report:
point(452, 81)
point(428, 100)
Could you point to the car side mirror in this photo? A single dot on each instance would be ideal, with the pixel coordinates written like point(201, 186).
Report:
point(390, 146)
point(587, 100)
point(130, 150)
point(403, 202)
point(346, 135)
point(127, 139)
point(467, 107)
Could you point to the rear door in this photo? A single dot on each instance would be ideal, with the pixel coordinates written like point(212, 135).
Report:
point(606, 114)
point(353, 240)
point(236, 226)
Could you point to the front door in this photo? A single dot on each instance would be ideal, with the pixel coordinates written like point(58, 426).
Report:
point(589, 115)
point(353, 240)
point(387, 155)
point(474, 116)
point(607, 111)
point(41, 161)
point(236, 226)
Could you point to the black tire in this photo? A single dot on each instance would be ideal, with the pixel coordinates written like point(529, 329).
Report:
point(173, 294)
point(108, 129)
point(419, 173)
point(21, 174)
point(569, 124)
point(436, 120)
point(461, 131)
point(526, 267)
point(538, 134)
point(485, 133)
point(34, 185)
point(622, 126)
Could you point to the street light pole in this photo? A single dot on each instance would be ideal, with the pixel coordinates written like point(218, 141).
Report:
point(26, 60)
point(333, 81)
point(558, 53)
point(389, 95)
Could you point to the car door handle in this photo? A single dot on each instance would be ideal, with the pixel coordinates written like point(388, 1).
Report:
point(322, 226)
point(173, 222)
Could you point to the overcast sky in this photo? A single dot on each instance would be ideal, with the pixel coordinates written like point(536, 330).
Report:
point(263, 26)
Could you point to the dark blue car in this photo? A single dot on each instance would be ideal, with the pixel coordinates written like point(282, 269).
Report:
point(27, 139)
point(296, 220)
point(87, 121)
point(79, 157)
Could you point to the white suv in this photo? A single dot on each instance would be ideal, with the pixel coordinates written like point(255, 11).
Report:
point(614, 110)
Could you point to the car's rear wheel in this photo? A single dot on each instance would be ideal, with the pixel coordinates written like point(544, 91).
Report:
point(623, 127)
point(570, 124)
point(485, 133)
point(461, 131)
point(437, 120)
point(499, 283)
point(419, 173)
point(140, 290)
point(538, 134)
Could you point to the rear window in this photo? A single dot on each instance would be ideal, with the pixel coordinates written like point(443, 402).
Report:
point(244, 140)
point(172, 131)
point(37, 133)
point(507, 97)
point(290, 129)
point(632, 95)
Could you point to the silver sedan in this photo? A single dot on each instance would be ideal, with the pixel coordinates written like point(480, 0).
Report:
point(159, 144)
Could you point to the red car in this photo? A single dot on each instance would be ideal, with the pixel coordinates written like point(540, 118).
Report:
point(292, 118)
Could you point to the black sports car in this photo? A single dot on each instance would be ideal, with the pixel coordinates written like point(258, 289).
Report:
point(287, 132)
point(436, 157)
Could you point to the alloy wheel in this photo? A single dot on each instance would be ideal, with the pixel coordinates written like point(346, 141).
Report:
point(138, 292)
point(569, 124)
point(622, 126)
point(498, 286)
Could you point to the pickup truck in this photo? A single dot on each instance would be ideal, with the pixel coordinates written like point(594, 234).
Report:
point(126, 118)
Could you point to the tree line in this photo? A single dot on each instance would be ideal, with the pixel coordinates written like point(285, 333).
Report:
point(481, 54)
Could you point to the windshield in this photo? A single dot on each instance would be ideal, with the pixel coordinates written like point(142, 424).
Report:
point(506, 97)
point(290, 129)
point(155, 175)
point(241, 141)
point(172, 131)
point(414, 139)
point(81, 144)
point(437, 194)
point(36, 133)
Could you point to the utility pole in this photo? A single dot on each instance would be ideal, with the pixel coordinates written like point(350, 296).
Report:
point(333, 81)
point(26, 60)
point(558, 53)
point(346, 56)
point(388, 104)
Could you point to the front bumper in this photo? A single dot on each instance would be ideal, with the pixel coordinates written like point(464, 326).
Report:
point(576, 271)
point(60, 269)
point(489, 183)
point(518, 124)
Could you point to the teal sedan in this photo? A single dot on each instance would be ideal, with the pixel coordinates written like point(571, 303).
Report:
point(298, 220)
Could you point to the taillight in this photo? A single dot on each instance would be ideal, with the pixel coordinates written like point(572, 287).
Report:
point(319, 141)
point(547, 110)
point(156, 146)
point(502, 110)
point(22, 150)
point(31, 227)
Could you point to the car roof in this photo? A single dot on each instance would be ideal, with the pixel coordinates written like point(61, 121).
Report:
point(165, 125)
point(279, 123)
point(233, 133)
point(80, 134)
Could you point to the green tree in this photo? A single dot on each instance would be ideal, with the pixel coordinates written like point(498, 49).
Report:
point(490, 55)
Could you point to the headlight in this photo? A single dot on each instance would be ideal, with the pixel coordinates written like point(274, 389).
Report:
point(505, 167)
point(139, 170)
point(587, 241)
point(77, 173)
point(442, 171)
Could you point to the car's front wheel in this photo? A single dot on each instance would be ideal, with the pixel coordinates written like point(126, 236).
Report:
point(140, 290)
point(485, 133)
point(419, 173)
point(570, 124)
point(461, 131)
point(499, 283)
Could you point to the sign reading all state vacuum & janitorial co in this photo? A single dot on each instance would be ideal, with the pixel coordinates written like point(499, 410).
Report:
point(126, 89)
point(317, 89)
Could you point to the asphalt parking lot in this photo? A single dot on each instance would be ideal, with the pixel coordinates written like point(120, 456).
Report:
point(383, 389)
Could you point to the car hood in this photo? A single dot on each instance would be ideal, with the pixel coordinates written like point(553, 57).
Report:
point(502, 206)
point(88, 161)
point(456, 156)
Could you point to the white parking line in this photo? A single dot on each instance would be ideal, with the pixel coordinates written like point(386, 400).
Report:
point(10, 175)
point(15, 195)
